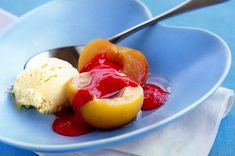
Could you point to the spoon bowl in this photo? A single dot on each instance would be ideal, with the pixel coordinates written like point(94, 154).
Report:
point(69, 54)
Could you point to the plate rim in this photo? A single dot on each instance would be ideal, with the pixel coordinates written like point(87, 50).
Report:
point(138, 132)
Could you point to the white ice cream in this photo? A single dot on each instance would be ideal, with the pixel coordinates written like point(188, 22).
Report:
point(44, 86)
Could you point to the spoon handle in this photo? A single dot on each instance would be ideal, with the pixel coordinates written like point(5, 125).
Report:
point(186, 6)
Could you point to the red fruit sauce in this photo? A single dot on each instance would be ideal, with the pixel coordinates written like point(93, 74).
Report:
point(106, 83)
point(68, 123)
point(101, 62)
point(154, 97)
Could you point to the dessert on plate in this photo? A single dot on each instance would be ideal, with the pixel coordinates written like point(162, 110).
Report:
point(107, 90)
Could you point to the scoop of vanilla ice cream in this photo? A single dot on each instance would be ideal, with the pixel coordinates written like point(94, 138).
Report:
point(44, 86)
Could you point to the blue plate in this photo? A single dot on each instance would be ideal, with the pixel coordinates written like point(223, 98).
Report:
point(195, 61)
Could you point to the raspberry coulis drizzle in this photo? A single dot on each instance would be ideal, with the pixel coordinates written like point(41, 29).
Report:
point(106, 83)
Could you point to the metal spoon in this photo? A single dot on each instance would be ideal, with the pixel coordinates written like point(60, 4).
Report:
point(71, 54)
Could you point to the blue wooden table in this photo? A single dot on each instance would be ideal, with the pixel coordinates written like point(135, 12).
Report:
point(218, 19)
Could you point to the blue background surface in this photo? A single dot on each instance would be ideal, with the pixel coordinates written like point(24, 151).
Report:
point(218, 19)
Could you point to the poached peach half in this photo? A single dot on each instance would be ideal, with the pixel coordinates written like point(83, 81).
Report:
point(107, 113)
point(132, 62)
